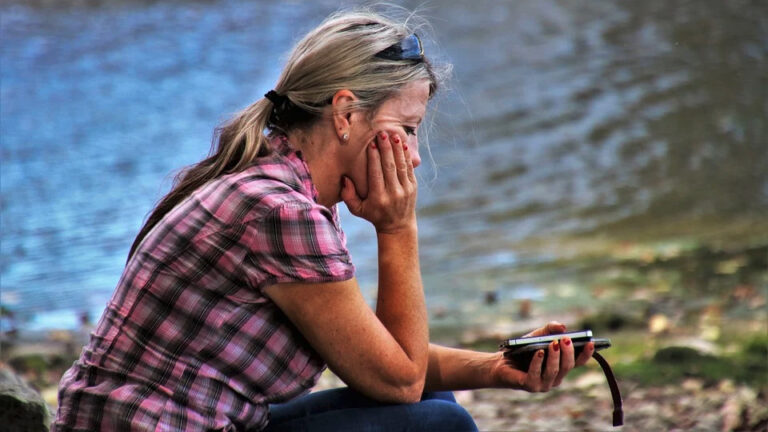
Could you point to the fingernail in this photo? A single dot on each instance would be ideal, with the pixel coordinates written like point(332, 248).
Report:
point(405, 147)
point(566, 341)
point(557, 346)
point(382, 135)
point(373, 145)
point(540, 353)
point(396, 139)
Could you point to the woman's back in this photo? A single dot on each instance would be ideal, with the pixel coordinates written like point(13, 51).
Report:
point(188, 341)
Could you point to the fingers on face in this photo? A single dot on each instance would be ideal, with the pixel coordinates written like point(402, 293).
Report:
point(398, 149)
point(409, 167)
point(388, 167)
point(375, 174)
point(396, 166)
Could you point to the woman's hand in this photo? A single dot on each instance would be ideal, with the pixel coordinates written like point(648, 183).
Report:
point(391, 201)
point(541, 377)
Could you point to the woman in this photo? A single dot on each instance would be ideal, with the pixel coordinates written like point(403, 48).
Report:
point(239, 288)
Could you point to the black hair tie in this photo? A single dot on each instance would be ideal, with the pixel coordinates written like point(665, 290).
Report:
point(285, 114)
point(276, 98)
point(281, 105)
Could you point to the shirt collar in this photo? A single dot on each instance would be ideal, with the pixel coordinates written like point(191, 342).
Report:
point(280, 145)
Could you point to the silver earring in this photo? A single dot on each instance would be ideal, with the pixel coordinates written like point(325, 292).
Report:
point(345, 137)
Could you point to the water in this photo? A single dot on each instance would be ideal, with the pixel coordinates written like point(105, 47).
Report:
point(564, 119)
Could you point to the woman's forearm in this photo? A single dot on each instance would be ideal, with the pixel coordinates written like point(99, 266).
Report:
point(457, 369)
point(400, 303)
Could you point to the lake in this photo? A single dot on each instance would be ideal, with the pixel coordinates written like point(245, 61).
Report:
point(571, 131)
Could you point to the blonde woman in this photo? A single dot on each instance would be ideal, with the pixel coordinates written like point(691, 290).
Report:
point(239, 289)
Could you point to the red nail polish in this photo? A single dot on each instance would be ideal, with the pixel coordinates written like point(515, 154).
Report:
point(382, 135)
point(556, 347)
point(396, 139)
point(405, 147)
point(540, 353)
point(567, 341)
point(373, 145)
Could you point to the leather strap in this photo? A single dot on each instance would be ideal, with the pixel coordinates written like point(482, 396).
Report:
point(618, 412)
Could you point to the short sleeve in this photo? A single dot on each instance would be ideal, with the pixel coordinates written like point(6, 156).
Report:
point(297, 242)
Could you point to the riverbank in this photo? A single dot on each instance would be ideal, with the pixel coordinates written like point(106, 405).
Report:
point(669, 381)
point(671, 378)
point(584, 404)
point(683, 361)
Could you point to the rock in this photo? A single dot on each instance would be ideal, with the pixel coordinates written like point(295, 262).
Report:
point(328, 380)
point(611, 320)
point(524, 309)
point(464, 397)
point(731, 413)
point(50, 395)
point(589, 379)
point(22, 409)
point(491, 297)
point(692, 385)
point(695, 343)
point(678, 355)
point(658, 323)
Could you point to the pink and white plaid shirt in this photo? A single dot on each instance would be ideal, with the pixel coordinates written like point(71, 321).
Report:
point(189, 342)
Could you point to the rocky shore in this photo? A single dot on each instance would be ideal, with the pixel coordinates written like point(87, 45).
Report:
point(670, 380)
point(584, 404)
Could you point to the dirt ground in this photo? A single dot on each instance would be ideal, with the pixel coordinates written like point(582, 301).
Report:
point(584, 404)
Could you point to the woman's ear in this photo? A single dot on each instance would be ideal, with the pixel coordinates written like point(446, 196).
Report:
point(342, 112)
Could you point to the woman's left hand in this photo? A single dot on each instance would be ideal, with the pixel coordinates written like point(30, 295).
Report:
point(541, 377)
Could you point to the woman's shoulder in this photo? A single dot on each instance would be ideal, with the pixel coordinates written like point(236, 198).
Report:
point(268, 184)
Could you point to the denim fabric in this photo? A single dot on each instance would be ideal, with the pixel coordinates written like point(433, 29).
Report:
point(344, 409)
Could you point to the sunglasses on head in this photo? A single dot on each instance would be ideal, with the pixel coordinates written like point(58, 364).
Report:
point(409, 48)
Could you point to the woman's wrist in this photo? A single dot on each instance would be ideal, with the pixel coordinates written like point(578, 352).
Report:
point(404, 228)
point(496, 362)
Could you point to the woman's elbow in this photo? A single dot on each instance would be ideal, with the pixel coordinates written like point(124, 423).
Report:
point(400, 395)
point(413, 393)
point(409, 390)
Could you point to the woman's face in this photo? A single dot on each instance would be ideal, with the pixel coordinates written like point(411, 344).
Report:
point(401, 114)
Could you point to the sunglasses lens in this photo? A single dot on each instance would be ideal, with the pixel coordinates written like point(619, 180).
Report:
point(412, 47)
point(408, 49)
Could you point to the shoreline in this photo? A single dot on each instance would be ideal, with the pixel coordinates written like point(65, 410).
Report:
point(582, 402)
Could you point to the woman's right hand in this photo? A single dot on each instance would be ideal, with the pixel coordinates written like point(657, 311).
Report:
point(540, 376)
point(392, 188)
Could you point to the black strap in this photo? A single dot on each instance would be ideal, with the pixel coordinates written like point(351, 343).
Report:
point(618, 412)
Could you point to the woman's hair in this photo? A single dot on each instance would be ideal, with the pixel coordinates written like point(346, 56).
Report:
point(339, 54)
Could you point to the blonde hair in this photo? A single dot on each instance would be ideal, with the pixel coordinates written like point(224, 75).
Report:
point(338, 54)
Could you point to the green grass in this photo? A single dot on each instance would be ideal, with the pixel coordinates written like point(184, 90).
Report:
point(674, 364)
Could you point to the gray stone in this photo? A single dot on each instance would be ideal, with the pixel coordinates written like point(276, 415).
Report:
point(22, 409)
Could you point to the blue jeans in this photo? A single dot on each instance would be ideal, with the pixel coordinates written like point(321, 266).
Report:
point(344, 409)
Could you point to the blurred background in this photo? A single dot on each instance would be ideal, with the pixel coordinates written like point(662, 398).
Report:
point(604, 164)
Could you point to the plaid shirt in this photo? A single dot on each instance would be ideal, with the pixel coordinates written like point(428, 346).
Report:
point(189, 341)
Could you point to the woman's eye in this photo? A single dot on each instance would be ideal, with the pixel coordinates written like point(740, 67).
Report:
point(409, 130)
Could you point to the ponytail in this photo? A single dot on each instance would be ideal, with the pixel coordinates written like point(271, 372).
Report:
point(236, 144)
